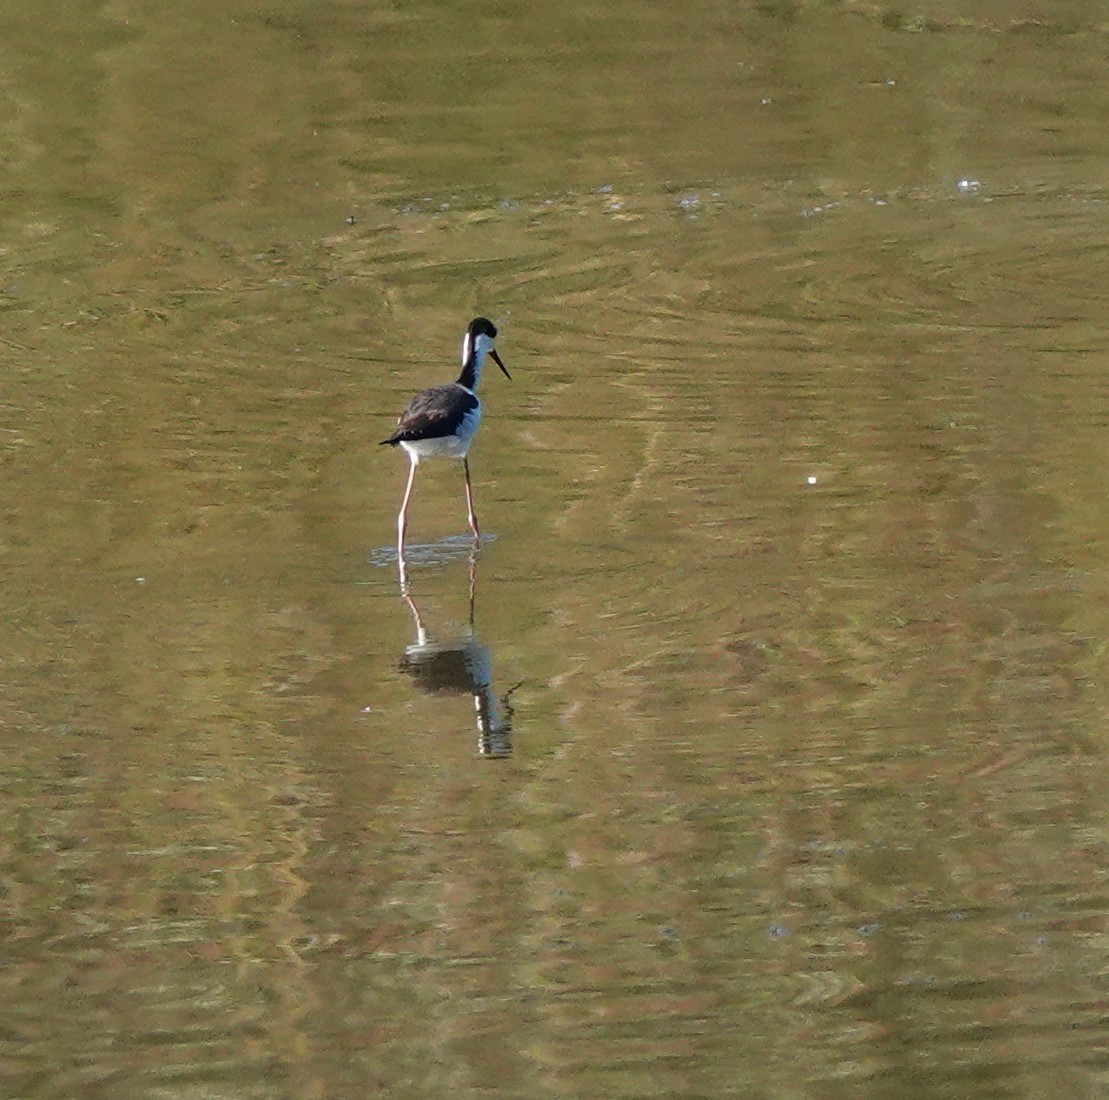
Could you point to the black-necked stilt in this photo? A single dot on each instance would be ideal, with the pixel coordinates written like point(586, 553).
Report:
point(441, 422)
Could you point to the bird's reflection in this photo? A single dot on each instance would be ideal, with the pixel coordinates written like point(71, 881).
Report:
point(459, 664)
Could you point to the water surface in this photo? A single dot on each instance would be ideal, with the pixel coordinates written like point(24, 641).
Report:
point(789, 620)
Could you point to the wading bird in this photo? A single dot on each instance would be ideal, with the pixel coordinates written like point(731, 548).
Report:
point(441, 422)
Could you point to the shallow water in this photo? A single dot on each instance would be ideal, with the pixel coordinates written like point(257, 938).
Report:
point(760, 748)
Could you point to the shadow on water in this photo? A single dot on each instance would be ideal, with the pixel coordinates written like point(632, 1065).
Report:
point(442, 552)
point(443, 662)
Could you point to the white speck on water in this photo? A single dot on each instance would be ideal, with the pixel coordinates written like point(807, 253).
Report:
point(812, 211)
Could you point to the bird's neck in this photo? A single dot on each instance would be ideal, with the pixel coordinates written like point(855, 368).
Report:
point(471, 374)
point(473, 359)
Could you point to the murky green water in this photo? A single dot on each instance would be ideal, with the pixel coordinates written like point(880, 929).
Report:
point(787, 644)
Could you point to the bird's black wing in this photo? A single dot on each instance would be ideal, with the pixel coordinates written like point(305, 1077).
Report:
point(433, 414)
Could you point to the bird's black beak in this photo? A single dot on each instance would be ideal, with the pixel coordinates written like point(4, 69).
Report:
point(497, 360)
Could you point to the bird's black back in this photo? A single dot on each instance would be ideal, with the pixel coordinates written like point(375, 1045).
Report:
point(433, 414)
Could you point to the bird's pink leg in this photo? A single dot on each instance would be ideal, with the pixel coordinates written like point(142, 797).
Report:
point(470, 500)
point(402, 517)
